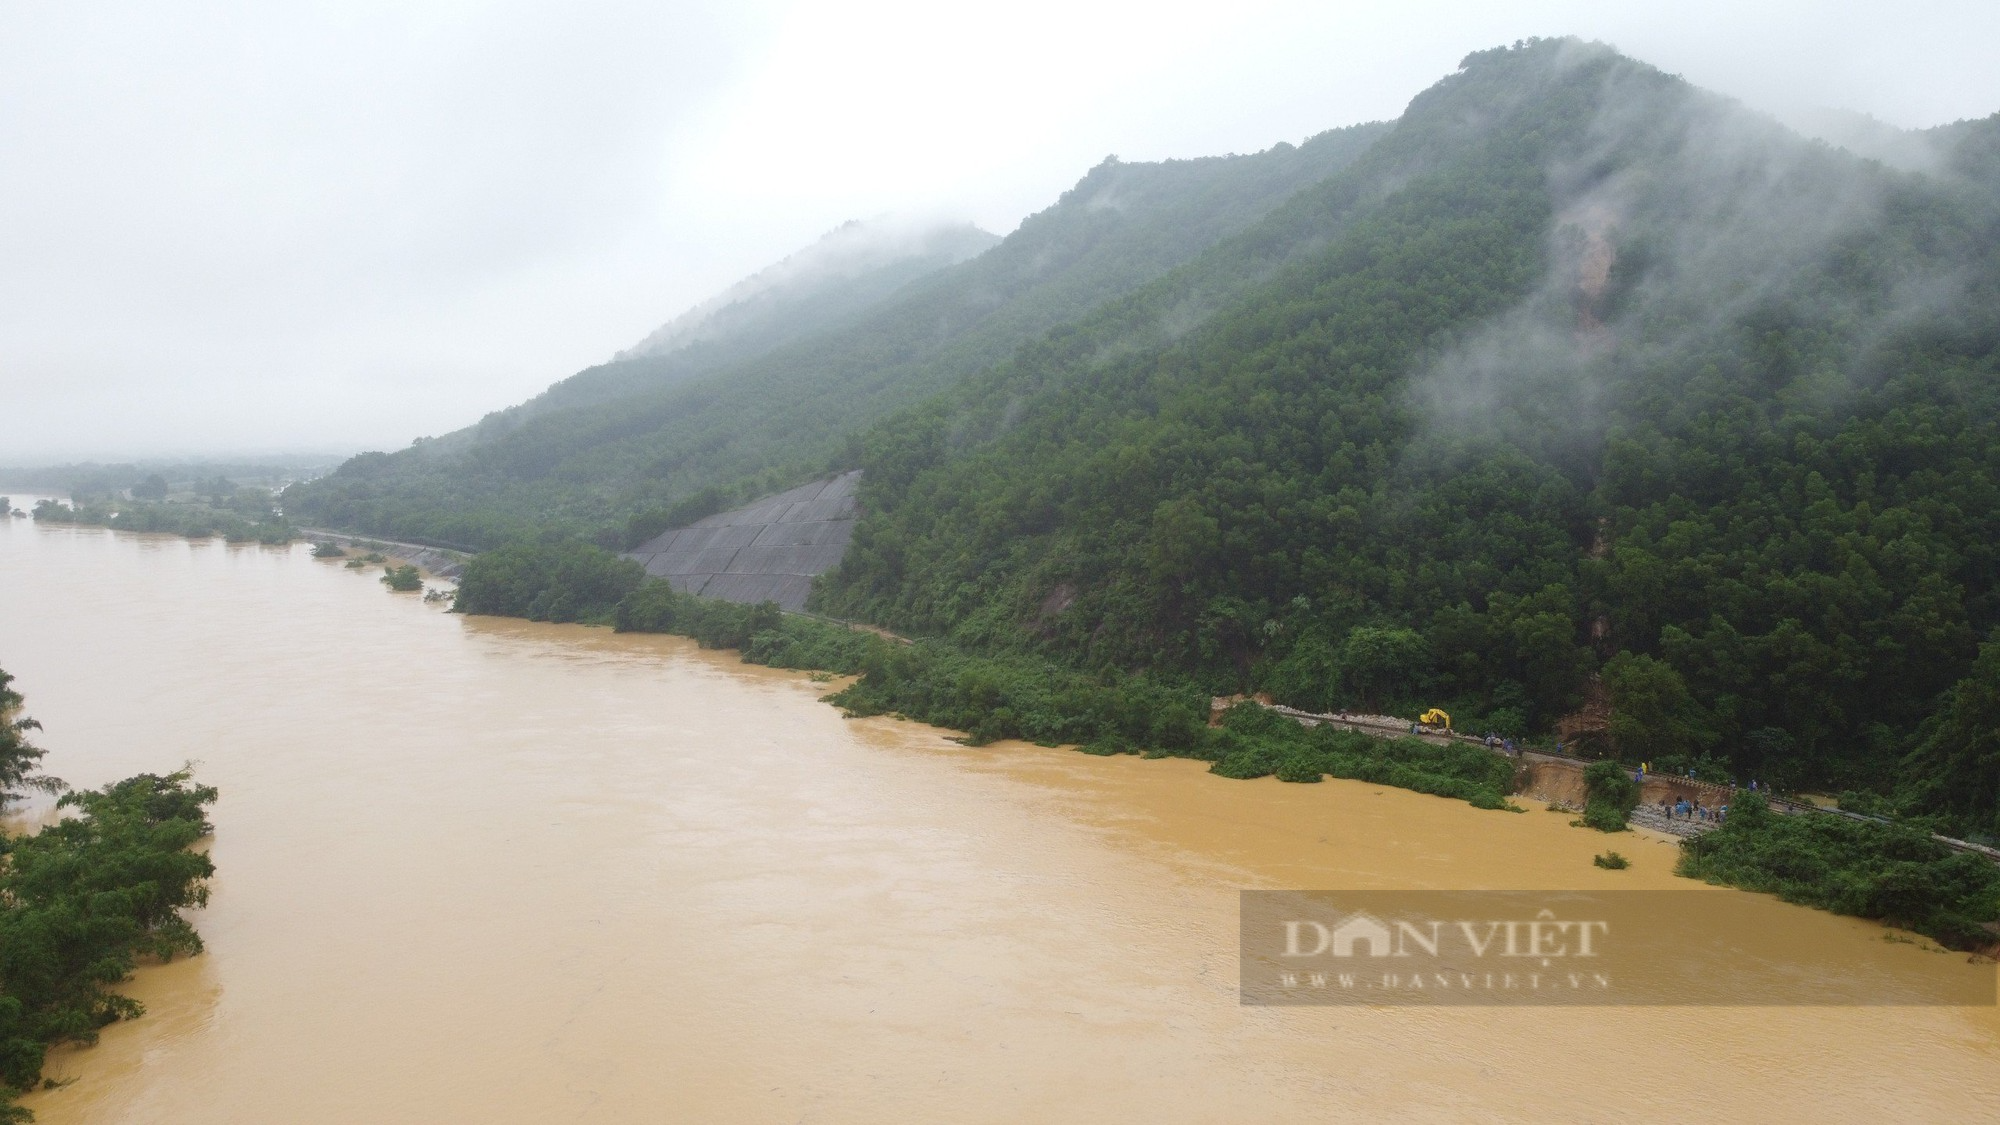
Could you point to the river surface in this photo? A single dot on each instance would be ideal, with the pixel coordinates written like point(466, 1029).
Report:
point(476, 870)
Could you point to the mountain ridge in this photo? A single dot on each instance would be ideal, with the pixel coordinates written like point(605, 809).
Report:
point(849, 253)
point(1577, 400)
point(779, 418)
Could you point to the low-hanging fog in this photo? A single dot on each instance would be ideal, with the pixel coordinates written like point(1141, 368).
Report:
point(231, 227)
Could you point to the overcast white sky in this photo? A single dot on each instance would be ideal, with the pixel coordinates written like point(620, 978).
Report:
point(236, 227)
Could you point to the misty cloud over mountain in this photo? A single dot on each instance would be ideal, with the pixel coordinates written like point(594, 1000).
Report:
point(855, 265)
point(1682, 215)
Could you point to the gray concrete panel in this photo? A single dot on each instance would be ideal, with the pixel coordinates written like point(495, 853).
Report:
point(802, 492)
point(769, 560)
point(741, 536)
point(768, 550)
point(784, 534)
point(694, 538)
point(654, 545)
point(841, 508)
point(712, 561)
point(843, 485)
point(744, 587)
point(689, 583)
point(820, 559)
point(788, 590)
point(793, 590)
point(680, 560)
point(763, 512)
point(807, 534)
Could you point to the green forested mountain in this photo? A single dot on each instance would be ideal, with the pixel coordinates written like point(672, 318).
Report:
point(1593, 389)
point(624, 442)
point(1577, 401)
point(827, 286)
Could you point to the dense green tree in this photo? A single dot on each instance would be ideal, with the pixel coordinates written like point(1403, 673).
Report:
point(84, 899)
point(1653, 716)
point(1610, 795)
point(81, 902)
point(1379, 663)
point(1954, 770)
point(20, 760)
point(1866, 868)
point(549, 580)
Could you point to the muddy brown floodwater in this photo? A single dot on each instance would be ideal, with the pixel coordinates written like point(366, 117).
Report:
point(474, 870)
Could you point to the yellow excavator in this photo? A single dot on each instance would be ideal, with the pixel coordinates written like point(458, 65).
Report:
point(1435, 718)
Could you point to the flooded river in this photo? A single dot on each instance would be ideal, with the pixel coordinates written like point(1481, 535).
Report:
point(475, 870)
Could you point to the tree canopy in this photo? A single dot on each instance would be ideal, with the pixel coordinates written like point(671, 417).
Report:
point(84, 899)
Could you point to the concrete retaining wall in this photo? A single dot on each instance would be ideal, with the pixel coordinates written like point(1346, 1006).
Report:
point(768, 551)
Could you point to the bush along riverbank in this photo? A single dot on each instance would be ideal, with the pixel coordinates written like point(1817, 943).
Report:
point(989, 697)
point(84, 901)
point(547, 580)
point(1000, 697)
point(1890, 872)
point(1255, 742)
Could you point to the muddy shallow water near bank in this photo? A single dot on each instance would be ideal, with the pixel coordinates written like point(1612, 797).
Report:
point(481, 870)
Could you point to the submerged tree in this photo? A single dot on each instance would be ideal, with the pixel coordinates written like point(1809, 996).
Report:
point(1612, 795)
point(20, 760)
point(402, 578)
point(82, 902)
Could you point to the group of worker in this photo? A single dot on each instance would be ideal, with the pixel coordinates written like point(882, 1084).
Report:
point(1684, 809)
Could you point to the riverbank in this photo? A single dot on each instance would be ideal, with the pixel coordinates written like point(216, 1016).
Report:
point(1892, 874)
point(1558, 779)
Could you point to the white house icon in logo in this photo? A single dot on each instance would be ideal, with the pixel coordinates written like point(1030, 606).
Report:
point(1362, 929)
